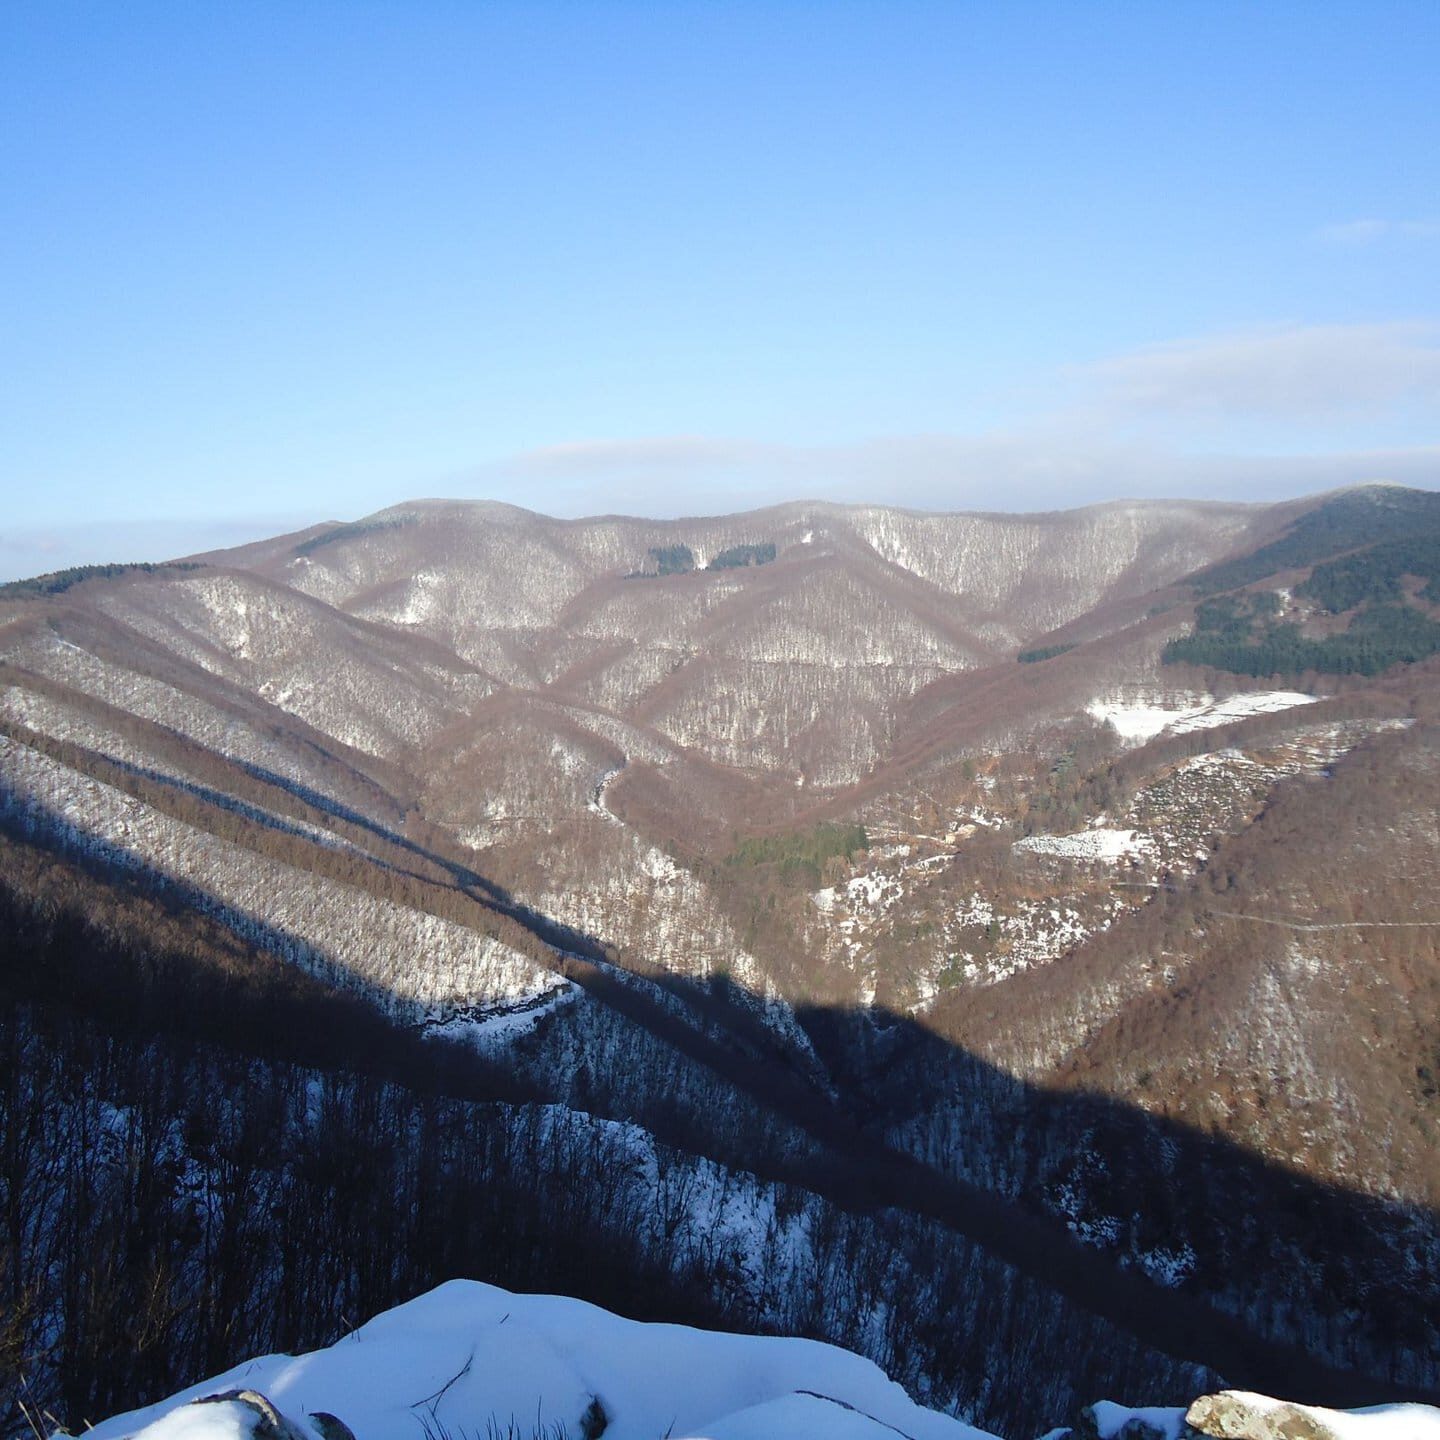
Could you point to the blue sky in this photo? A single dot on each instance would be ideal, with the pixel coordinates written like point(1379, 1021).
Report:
point(266, 264)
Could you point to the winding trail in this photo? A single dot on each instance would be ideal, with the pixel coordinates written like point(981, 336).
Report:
point(1311, 928)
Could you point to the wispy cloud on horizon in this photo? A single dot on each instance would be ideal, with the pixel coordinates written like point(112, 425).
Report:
point(1284, 372)
point(1372, 230)
point(1260, 414)
point(1263, 413)
point(1016, 472)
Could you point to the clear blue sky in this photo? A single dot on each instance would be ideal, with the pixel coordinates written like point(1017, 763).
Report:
point(261, 264)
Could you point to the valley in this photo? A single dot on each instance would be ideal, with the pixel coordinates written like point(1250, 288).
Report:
point(872, 904)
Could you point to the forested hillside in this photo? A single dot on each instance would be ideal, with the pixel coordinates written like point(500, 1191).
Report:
point(1005, 946)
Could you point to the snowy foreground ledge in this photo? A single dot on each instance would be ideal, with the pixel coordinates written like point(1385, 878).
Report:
point(473, 1357)
point(472, 1361)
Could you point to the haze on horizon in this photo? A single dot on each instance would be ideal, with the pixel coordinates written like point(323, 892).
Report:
point(272, 265)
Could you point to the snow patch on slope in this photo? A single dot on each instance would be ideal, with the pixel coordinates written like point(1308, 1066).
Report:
point(491, 1031)
point(1097, 843)
point(1136, 720)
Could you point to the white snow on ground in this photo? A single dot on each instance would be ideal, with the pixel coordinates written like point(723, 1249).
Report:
point(596, 804)
point(1111, 1419)
point(1240, 707)
point(152, 699)
point(228, 1420)
point(420, 599)
point(1099, 843)
point(64, 722)
point(979, 815)
point(466, 1353)
point(1378, 1422)
point(470, 1359)
point(1136, 721)
point(495, 1029)
point(1215, 760)
point(876, 891)
point(349, 937)
point(1168, 1267)
point(1031, 932)
point(870, 894)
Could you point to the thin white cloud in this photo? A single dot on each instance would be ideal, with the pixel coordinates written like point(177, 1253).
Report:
point(1015, 472)
point(1243, 416)
point(645, 453)
point(1372, 231)
point(668, 476)
point(1259, 414)
point(1289, 373)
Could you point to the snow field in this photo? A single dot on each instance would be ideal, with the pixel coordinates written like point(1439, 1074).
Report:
point(1137, 721)
point(1097, 843)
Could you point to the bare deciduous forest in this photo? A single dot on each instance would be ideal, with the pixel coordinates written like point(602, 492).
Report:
point(865, 930)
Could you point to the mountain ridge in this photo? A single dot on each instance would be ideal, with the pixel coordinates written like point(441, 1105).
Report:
point(813, 813)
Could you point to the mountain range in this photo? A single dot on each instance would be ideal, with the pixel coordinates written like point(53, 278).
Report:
point(1005, 945)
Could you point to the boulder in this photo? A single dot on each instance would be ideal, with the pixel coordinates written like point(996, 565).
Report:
point(270, 1424)
point(331, 1427)
point(1107, 1421)
point(1235, 1415)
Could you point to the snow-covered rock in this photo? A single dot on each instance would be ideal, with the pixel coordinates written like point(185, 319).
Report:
point(241, 1415)
point(467, 1354)
point(1238, 1415)
point(1110, 1421)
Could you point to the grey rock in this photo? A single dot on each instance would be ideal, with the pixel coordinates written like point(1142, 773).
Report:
point(331, 1427)
point(1231, 1415)
point(272, 1425)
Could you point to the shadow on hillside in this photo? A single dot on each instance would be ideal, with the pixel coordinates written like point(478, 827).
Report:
point(1201, 1248)
point(1276, 1282)
point(462, 875)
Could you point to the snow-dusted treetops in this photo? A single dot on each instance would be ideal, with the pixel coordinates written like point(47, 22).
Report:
point(1004, 946)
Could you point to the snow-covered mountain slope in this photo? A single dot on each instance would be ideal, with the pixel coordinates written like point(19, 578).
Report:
point(468, 1356)
point(910, 819)
point(753, 665)
point(350, 938)
point(365, 685)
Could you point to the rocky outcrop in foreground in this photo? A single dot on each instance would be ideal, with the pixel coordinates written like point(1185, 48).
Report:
point(469, 1359)
point(1236, 1415)
point(1239, 1415)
